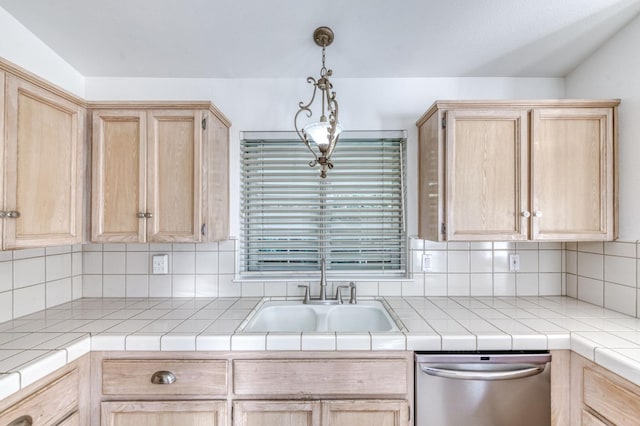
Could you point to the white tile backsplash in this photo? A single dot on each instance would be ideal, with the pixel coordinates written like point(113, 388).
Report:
point(481, 261)
point(591, 290)
point(27, 272)
point(33, 279)
point(137, 261)
point(58, 292)
point(590, 265)
point(58, 266)
point(620, 270)
point(6, 276)
point(114, 262)
point(604, 274)
point(620, 298)
point(28, 299)
point(458, 261)
point(6, 306)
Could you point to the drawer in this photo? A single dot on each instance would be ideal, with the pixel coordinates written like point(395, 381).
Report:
point(192, 377)
point(612, 400)
point(47, 406)
point(318, 377)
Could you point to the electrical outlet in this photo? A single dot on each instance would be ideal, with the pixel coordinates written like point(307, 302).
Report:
point(514, 262)
point(426, 263)
point(160, 263)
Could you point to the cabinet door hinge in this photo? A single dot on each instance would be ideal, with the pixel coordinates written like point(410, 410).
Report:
point(443, 228)
point(444, 122)
point(204, 124)
point(203, 230)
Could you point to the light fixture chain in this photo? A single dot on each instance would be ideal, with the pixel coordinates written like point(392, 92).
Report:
point(323, 70)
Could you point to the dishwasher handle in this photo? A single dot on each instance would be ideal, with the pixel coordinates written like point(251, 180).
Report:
point(483, 375)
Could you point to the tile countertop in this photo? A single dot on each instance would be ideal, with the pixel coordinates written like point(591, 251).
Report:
point(35, 345)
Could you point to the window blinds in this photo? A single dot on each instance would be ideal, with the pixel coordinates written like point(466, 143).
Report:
point(291, 218)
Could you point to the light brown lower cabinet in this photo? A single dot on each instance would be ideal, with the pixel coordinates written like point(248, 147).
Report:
point(252, 388)
point(164, 413)
point(60, 399)
point(365, 413)
point(600, 397)
point(589, 419)
point(321, 413)
point(280, 413)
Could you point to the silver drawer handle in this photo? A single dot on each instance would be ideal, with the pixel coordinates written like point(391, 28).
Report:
point(483, 375)
point(22, 421)
point(13, 214)
point(163, 378)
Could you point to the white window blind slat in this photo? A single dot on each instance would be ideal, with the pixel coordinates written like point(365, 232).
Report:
point(291, 218)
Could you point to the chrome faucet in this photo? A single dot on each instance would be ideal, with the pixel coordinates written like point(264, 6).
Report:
point(323, 300)
point(323, 281)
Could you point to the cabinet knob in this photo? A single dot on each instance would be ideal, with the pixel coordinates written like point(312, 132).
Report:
point(537, 214)
point(163, 378)
point(140, 215)
point(3, 214)
point(13, 214)
point(22, 421)
point(525, 214)
point(148, 215)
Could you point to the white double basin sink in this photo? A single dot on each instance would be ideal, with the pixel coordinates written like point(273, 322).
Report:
point(293, 316)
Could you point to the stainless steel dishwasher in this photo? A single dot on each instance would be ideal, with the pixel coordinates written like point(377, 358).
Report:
point(483, 389)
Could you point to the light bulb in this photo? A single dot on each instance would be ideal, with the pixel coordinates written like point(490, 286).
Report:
point(319, 132)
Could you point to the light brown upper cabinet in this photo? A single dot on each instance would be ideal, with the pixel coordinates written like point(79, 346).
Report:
point(517, 170)
point(160, 173)
point(43, 173)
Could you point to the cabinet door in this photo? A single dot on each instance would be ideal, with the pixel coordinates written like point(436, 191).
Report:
point(365, 413)
point(572, 174)
point(174, 175)
point(164, 413)
point(119, 176)
point(589, 419)
point(276, 413)
point(486, 173)
point(47, 406)
point(2, 165)
point(43, 175)
point(72, 420)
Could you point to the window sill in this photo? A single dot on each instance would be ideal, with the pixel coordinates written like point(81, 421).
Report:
point(316, 278)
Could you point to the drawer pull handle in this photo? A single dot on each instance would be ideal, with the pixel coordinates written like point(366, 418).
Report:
point(22, 421)
point(163, 378)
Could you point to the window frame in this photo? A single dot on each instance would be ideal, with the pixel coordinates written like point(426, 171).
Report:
point(399, 264)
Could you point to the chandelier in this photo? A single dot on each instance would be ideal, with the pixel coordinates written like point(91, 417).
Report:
point(321, 136)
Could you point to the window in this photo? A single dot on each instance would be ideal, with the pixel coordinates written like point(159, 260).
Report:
point(291, 218)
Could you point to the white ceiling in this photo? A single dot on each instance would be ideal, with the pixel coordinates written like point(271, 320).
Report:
point(273, 39)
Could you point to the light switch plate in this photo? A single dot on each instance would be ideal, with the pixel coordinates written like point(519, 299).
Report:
point(160, 264)
point(514, 262)
point(426, 263)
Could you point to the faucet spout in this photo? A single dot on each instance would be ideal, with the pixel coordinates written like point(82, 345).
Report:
point(323, 281)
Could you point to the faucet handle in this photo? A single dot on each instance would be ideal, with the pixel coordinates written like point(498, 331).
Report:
point(339, 294)
point(306, 293)
point(352, 299)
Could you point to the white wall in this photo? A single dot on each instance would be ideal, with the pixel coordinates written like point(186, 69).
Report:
point(365, 104)
point(23, 48)
point(613, 71)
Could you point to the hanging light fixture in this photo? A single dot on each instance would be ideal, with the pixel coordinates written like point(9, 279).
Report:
point(323, 134)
